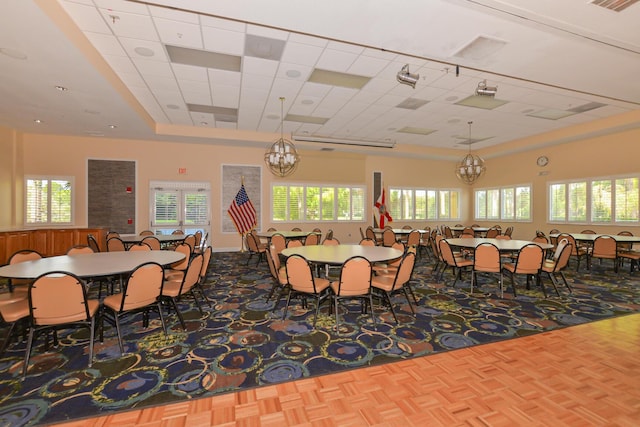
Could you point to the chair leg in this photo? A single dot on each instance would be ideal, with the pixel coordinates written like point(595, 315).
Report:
point(406, 293)
point(564, 279)
point(175, 307)
point(373, 314)
point(27, 353)
point(117, 323)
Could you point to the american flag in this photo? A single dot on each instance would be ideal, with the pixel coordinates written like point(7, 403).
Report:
point(242, 212)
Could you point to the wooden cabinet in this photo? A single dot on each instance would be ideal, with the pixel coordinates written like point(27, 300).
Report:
point(48, 242)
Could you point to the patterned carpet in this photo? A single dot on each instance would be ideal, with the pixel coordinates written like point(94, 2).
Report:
point(242, 343)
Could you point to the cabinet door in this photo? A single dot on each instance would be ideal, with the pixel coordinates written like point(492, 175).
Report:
point(17, 241)
point(61, 241)
point(40, 241)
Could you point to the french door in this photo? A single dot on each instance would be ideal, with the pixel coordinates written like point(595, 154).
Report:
point(180, 206)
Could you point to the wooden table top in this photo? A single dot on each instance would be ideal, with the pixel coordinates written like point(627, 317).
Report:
point(89, 265)
point(338, 254)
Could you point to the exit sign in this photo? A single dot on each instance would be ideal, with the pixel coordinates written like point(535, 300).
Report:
point(182, 171)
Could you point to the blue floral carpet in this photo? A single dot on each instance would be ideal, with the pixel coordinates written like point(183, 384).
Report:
point(241, 343)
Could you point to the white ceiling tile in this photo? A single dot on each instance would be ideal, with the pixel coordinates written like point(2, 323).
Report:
point(308, 40)
point(270, 33)
point(106, 44)
point(130, 25)
point(345, 47)
point(174, 15)
point(193, 86)
point(141, 49)
point(259, 66)
point(298, 53)
point(289, 71)
point(226, 96)
point(87, 18)
point(226, 125)
point(367, 66)
point(198, 98)
point(132, 80)
point(223, 24)
point(315, 90)
point(224, 77)
point(259, 82)
point(223, 41)
point(122, 6)
point(190, 72)
point(161, 84)
point(335, 60)
point(179, 33)
point(153, 68)
point(121, 64)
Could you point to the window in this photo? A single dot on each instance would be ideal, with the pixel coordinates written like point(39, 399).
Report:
point(296, 203)
point(595, 201)
point(507, 203)
point(423, 204)
point(49, 200)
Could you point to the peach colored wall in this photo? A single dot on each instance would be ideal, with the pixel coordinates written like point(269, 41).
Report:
point(45, 154)
point(10, 186)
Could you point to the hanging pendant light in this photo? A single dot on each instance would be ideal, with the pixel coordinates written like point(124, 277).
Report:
point(471, 167)
point(281, 157)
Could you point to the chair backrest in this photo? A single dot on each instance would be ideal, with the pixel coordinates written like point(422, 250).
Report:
point(329, 234)
point(413, 239)
point(446, 231)
point(190, 240)
point(318, 233)
point(407, 227)
point(252, 244)
point(299, 274)
point(311, 239)
point(146, 233)
point(139, 247)
point(625, 246)
point(487, 258)
point(296, 229)
point(115, 244)
point(559, 248)
point(554, 231)
point(508, 231)
point(370, 234)
point(388, 237)
point(184, 249)
point(435, 246)
point(198, 236)
point(24, 255)
point(446, 252)
point(604, 246)
point(111, 234)
point(468, 236)
point(271, 229)
point(206, 259)
point(588, 232)
point(492, 233)
point(177, 232)
point(192, 275)
point(367, 242)
point(79, 249)
point(562, 259)
point(57, 298)
point(540, 239)
point(331, 241)
point(152, 242)
point(279, 242)
point(503, 237)
point(405, 270)
point(355, 277)
point(274, 267)
point(529, 259)
point(401, 247)
point(93, 243)
point(143, 286)
point(294, 243)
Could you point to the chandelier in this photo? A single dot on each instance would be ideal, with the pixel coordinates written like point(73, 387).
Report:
point(281, 157)
point(471, 167)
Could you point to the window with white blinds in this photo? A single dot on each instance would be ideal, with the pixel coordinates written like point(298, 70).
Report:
point(300, 203)
point(511, 203)
point(595, 201)
point(423, 204)
point(48, 200)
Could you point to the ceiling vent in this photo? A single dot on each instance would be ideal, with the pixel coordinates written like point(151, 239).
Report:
point(615, 5)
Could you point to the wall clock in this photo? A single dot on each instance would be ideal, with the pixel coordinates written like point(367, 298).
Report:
point(542, 161)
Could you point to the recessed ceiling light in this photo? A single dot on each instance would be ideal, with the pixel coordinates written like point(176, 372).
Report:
point(37, 121)
point(173, 107)
point(204, 123)
point(144, 51)
point(13, 53)
point(307, 102)
point(451, 98)
point(112, 126)
point(293, 73)
point(61, 88)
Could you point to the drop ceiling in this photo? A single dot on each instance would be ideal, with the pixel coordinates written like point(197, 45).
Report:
point(194, 70)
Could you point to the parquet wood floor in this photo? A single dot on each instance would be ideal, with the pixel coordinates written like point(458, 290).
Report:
point(587, 375)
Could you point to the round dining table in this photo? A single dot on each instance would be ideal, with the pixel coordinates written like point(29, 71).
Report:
point(89, 265)
point(338, 254)
point(503, 245)
point(288, 235)
point(163, 238)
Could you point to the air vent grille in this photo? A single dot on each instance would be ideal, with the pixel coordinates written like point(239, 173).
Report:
point(615, 5)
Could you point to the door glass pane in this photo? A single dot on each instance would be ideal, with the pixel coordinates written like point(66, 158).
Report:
point(166, 208)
